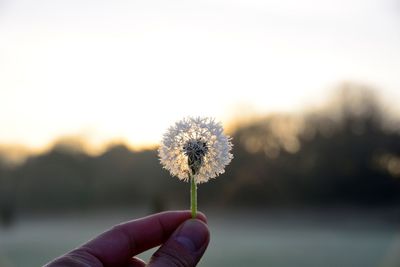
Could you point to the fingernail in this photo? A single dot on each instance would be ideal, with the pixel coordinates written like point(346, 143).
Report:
point(193, 234)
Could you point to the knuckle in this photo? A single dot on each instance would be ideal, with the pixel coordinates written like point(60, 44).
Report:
point(116, 228)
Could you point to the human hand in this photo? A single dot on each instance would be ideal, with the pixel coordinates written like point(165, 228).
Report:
point(183, 241)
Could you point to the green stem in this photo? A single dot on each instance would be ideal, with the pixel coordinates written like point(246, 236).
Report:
point(193, 196)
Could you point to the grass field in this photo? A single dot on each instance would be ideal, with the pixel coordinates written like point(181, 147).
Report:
point(279, 239)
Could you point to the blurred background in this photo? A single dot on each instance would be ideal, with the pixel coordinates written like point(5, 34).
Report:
point(309, 91)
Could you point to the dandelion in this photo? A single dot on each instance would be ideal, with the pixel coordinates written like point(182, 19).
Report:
point(195, 150)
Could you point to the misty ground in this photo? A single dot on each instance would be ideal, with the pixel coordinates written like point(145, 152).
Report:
point(278, 237)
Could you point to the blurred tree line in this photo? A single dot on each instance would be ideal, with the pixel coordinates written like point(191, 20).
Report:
point(347, 153)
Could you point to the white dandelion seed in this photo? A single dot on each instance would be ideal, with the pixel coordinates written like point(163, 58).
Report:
point(195, 147)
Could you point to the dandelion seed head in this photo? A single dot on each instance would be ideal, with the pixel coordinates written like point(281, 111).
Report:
point(195, 146)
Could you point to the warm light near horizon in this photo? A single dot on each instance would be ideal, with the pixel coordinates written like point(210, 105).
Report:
point(126, 70)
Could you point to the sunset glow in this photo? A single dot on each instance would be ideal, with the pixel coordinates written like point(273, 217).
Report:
point(125, 70)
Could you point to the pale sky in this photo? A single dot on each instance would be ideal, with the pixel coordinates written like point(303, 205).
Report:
point(128, 69)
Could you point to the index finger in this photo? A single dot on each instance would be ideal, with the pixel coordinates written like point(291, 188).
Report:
point(117, 245)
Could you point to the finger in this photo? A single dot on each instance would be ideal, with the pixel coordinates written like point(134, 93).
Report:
point(135, 262)
point(123, 241)
point(184, 248)
point(76, 258)
point(116, 246)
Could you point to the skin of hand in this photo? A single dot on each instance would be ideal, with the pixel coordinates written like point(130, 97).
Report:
point(183, 242)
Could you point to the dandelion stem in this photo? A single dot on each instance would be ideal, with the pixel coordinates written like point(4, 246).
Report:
point(193, 196)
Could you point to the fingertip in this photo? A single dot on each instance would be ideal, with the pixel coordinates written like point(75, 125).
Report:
point(185, 213)
point(185, 246)
point(202, 217)
point(195, 231)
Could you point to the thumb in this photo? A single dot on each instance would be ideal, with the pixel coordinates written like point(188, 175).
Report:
point(184, 247)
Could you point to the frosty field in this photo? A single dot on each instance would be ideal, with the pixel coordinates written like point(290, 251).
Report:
point(279, 239)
